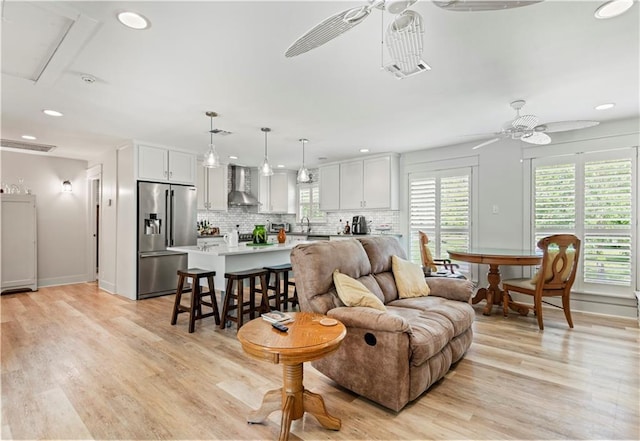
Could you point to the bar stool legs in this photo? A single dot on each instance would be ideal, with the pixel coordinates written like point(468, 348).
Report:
point(195, 307)
point(241, 306)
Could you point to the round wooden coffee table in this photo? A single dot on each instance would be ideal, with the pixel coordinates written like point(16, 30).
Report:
point(306, 340)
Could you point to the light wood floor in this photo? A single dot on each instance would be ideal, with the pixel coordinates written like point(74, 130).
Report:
point(78, 363)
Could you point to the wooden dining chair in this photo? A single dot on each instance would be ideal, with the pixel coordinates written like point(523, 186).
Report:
point(554, 278)
point(431, 264)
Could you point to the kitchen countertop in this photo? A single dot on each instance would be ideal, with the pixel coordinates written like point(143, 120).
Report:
point(243, 248)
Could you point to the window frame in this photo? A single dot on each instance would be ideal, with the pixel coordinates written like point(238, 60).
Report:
point(322, 216)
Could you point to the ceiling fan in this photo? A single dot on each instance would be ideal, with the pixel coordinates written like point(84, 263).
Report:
point(405, 33)
point(527, 129)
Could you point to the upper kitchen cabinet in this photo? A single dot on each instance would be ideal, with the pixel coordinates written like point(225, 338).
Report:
point(329, 187)
point(212, 187)
point(276, 193)
point(372, 183)
point(160, 164)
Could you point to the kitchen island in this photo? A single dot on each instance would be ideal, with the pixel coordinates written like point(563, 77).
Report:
point(222, 259)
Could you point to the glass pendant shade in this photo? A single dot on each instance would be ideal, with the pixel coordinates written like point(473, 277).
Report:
point(265, 169)
point(303, 173)
point(211, 158)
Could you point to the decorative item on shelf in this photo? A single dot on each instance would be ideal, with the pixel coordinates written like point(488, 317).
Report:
point(265, 169)
point(282, 236)
point(66, 186)
point(211, 158)
point(303, 174)
point(260, 235)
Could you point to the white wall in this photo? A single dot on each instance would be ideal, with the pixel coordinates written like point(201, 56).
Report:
point(61, 217)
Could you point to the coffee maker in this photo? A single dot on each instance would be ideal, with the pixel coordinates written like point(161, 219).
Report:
point(359, 225)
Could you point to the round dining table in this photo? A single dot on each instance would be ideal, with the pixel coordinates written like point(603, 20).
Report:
point(494, 257)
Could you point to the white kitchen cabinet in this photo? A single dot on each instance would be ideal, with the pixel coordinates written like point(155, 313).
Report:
point(276, 193)
point(372, 183)
point(161, 164)
point(212, 187)
point(19, 243)
point(330, 187)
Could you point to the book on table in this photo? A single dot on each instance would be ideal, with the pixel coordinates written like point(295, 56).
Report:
point(277, 317)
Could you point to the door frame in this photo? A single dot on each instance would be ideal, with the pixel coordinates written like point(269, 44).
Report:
point(94, 226)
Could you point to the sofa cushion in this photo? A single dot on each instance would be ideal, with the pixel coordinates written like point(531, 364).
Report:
point(409, 278)
point(354, 293)
point(459, 314)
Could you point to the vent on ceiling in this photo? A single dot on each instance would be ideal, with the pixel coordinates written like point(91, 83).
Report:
point(220, 132)
point(27, 145)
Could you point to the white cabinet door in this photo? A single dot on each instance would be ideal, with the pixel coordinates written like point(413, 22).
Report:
point(153, 163)
point(282, 192)
point(19, 244)
point(217, 188)
point(351, 174)
point(376, 183)
point(182, 167)
point(212, 187)
point(330, 187)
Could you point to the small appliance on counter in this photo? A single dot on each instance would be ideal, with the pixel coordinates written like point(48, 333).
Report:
point(359, 225)
point(276, 227)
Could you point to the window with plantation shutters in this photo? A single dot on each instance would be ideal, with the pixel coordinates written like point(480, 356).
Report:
point(591, 196)
point(439, 205)
point(309, 202)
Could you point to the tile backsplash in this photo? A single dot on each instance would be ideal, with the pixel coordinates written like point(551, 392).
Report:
point(248, 217)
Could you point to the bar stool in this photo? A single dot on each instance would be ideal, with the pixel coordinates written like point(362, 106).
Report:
point(280, 273)
point(195, 307)
point(241, 306)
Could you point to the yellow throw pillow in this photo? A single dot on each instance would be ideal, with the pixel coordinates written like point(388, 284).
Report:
point(548, 272)
point(354, 293)
point(409, 278)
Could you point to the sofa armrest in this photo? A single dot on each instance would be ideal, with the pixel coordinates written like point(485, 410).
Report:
point(369, 318)
point(452, 289)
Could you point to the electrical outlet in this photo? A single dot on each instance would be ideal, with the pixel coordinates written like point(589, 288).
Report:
point(495, 209)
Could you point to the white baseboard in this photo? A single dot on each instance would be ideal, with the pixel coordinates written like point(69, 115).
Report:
point(107, 286)
point(66, 280)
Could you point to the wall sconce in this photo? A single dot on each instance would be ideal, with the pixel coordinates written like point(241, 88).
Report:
point(66, 186)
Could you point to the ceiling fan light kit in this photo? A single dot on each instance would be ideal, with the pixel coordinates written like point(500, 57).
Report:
point(612, 8)
point(527, 129)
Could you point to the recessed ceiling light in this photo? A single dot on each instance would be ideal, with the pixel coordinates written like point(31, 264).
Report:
point(133, 20)
point(613, 8)
point(605, 106)
point(364, 150)
point(52, 112)
point(233, 157)
point(280, 166)
point(29, 137)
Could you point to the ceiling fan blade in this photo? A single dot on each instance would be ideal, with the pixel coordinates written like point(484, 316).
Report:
point(491, 141)
point(537, 138)
point(482, 5)
point(565, 126)
point(329, 29)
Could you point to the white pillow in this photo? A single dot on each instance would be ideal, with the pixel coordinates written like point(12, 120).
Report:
point(409, 278)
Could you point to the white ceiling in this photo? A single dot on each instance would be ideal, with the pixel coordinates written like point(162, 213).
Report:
point(156, 85)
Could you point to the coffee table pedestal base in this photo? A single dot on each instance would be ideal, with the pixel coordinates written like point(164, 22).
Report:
point(294, 401)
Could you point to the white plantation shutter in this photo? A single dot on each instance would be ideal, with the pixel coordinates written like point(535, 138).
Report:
point(439, 205)
point(591, 195)
point(309, 202)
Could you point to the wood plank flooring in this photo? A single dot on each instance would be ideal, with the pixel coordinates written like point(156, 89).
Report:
point(79, 363)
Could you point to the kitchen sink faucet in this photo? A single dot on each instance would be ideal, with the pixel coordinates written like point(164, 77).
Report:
point(308, 227)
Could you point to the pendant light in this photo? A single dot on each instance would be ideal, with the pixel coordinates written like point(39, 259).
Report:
point(211, 158)
point(265, 169)
point(303, 173)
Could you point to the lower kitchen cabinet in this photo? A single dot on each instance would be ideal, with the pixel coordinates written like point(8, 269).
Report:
point(212, 187)
point(19, 242)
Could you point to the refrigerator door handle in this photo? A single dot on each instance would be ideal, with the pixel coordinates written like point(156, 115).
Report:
point(172, 217)
point(168, 219)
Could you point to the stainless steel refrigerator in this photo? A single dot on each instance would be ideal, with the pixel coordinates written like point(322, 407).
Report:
point(167, 216)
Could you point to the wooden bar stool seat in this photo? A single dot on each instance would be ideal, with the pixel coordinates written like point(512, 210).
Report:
point(195, 307)
point(235, 300)
point(280, 294)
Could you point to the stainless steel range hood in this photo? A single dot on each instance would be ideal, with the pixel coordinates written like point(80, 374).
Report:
point(238, 197)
